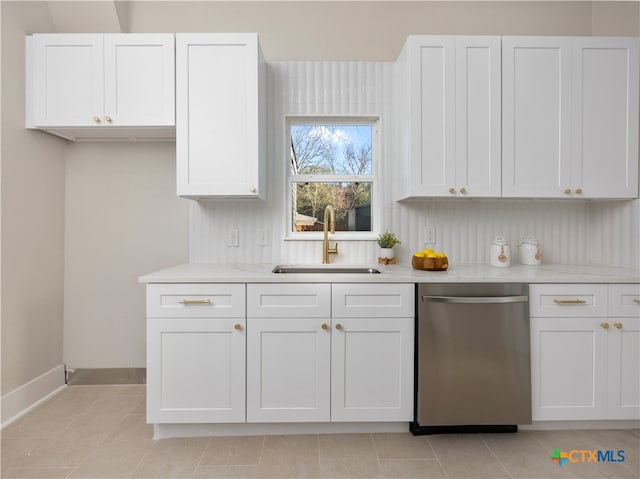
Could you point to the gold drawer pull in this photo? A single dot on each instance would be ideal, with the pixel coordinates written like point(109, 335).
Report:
point(636, 300)
point(338, 326)
point(325, 326)
point(604, 325)
point(618, 325)
point(195, 301)
point(237, 326)
point(569, 301)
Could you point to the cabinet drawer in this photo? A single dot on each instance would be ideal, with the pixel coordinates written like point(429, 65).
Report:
point(568, 300)
point(373, 300)
point(195, 300)
point(288, 300)
point(624, 300)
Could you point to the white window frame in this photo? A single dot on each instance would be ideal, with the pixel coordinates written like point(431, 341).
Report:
point(376, 197)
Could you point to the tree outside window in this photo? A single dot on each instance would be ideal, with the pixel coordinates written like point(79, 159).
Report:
point(331, 164)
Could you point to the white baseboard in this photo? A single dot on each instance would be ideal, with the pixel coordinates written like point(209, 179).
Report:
point(23, 399)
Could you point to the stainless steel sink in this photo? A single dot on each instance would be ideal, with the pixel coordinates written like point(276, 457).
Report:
point(281, 268)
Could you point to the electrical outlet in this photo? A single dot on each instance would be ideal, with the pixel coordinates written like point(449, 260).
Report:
point(429, 235)
point(263, 238)
point(233, 238)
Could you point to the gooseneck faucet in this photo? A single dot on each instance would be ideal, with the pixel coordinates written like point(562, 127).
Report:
point(329, 217)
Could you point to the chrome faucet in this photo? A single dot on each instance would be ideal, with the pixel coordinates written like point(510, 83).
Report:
point(326, 249)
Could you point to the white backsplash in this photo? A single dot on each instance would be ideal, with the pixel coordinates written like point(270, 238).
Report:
point(571, 232)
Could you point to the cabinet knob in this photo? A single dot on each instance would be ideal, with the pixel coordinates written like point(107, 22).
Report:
point(96, 119)
point(578, 191)
point(338, 326)
point(237, 326)
point(325, 326)
point(567, 191)
point(452, 191)
point(636, 300)
point(253, 189)
point(604, 325)
point(463, 190)
point(617, 325)
point(108, 119)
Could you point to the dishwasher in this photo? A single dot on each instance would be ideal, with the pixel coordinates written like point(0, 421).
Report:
point(473, 369)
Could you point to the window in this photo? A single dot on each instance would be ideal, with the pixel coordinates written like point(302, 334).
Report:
point(331, 162)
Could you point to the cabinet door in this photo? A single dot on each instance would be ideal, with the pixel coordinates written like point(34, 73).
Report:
point(139, 79)
point(288, 369)
point(432, 112)
point(605, 112)
point(536, 116)
point(67, 79)
point(478, 116)
point(568, 368)
point(624, 368)
point(195, 370)
point(218, 115)
point(372, 369)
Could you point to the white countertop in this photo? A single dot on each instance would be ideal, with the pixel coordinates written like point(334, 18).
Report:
point(475, 273)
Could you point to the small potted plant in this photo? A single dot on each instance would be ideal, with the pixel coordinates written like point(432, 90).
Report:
point(386, 242)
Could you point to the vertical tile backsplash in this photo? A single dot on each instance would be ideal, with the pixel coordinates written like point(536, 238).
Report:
point(571, 232)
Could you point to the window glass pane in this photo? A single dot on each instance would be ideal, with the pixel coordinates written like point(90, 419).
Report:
point(351, 201)
point(331, 149)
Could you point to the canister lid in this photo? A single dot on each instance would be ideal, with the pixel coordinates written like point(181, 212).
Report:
point(500, 241)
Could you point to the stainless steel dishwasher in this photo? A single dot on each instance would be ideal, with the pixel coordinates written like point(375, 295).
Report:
point(472, 358)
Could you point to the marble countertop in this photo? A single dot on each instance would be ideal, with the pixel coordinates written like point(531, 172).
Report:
point(475, 273)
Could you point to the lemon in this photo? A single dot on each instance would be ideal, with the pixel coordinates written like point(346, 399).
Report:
point(441, 255)
point(428, 251)
point(431, 255)
point(419, 254)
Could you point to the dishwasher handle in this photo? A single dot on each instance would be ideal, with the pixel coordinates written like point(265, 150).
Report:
point(477, 299)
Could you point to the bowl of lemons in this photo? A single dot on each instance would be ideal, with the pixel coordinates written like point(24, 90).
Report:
point(429, 260)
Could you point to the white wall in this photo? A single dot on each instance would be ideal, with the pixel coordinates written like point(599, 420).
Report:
point(123, 219)
point(105, 256)
point(570, 232)
point(32, 205)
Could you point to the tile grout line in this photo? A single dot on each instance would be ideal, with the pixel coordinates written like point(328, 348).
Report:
point(202, 454)
point(446, 474)
point(496, 456)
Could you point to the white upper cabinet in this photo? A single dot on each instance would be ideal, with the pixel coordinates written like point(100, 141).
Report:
point(449, 104)
point(108, 82)
point(605, 117)
point(220, 97)
point(570, 117)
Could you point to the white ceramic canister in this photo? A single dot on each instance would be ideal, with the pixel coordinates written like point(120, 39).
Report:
point(500, 253)
point(530, 251)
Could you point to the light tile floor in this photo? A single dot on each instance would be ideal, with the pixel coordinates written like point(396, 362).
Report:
point(100, 432)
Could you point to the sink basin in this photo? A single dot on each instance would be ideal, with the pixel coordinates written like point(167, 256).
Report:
point(281, 268)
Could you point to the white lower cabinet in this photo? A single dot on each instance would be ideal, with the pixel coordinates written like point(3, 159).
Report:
point(305, 364)
point(585, 357)
point(196, 353)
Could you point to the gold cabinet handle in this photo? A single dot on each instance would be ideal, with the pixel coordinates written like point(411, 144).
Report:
point(108, 119)
point(325, 326)
point(604, 325)
point(567, 191)
point(194, 301)
point(338, 326)
point(578, 191)
point(463, 190)
point(96, 119)
point(617, 325)
point(636, 300)
point(452, 191)
point(569, 301)
point(237, 327)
